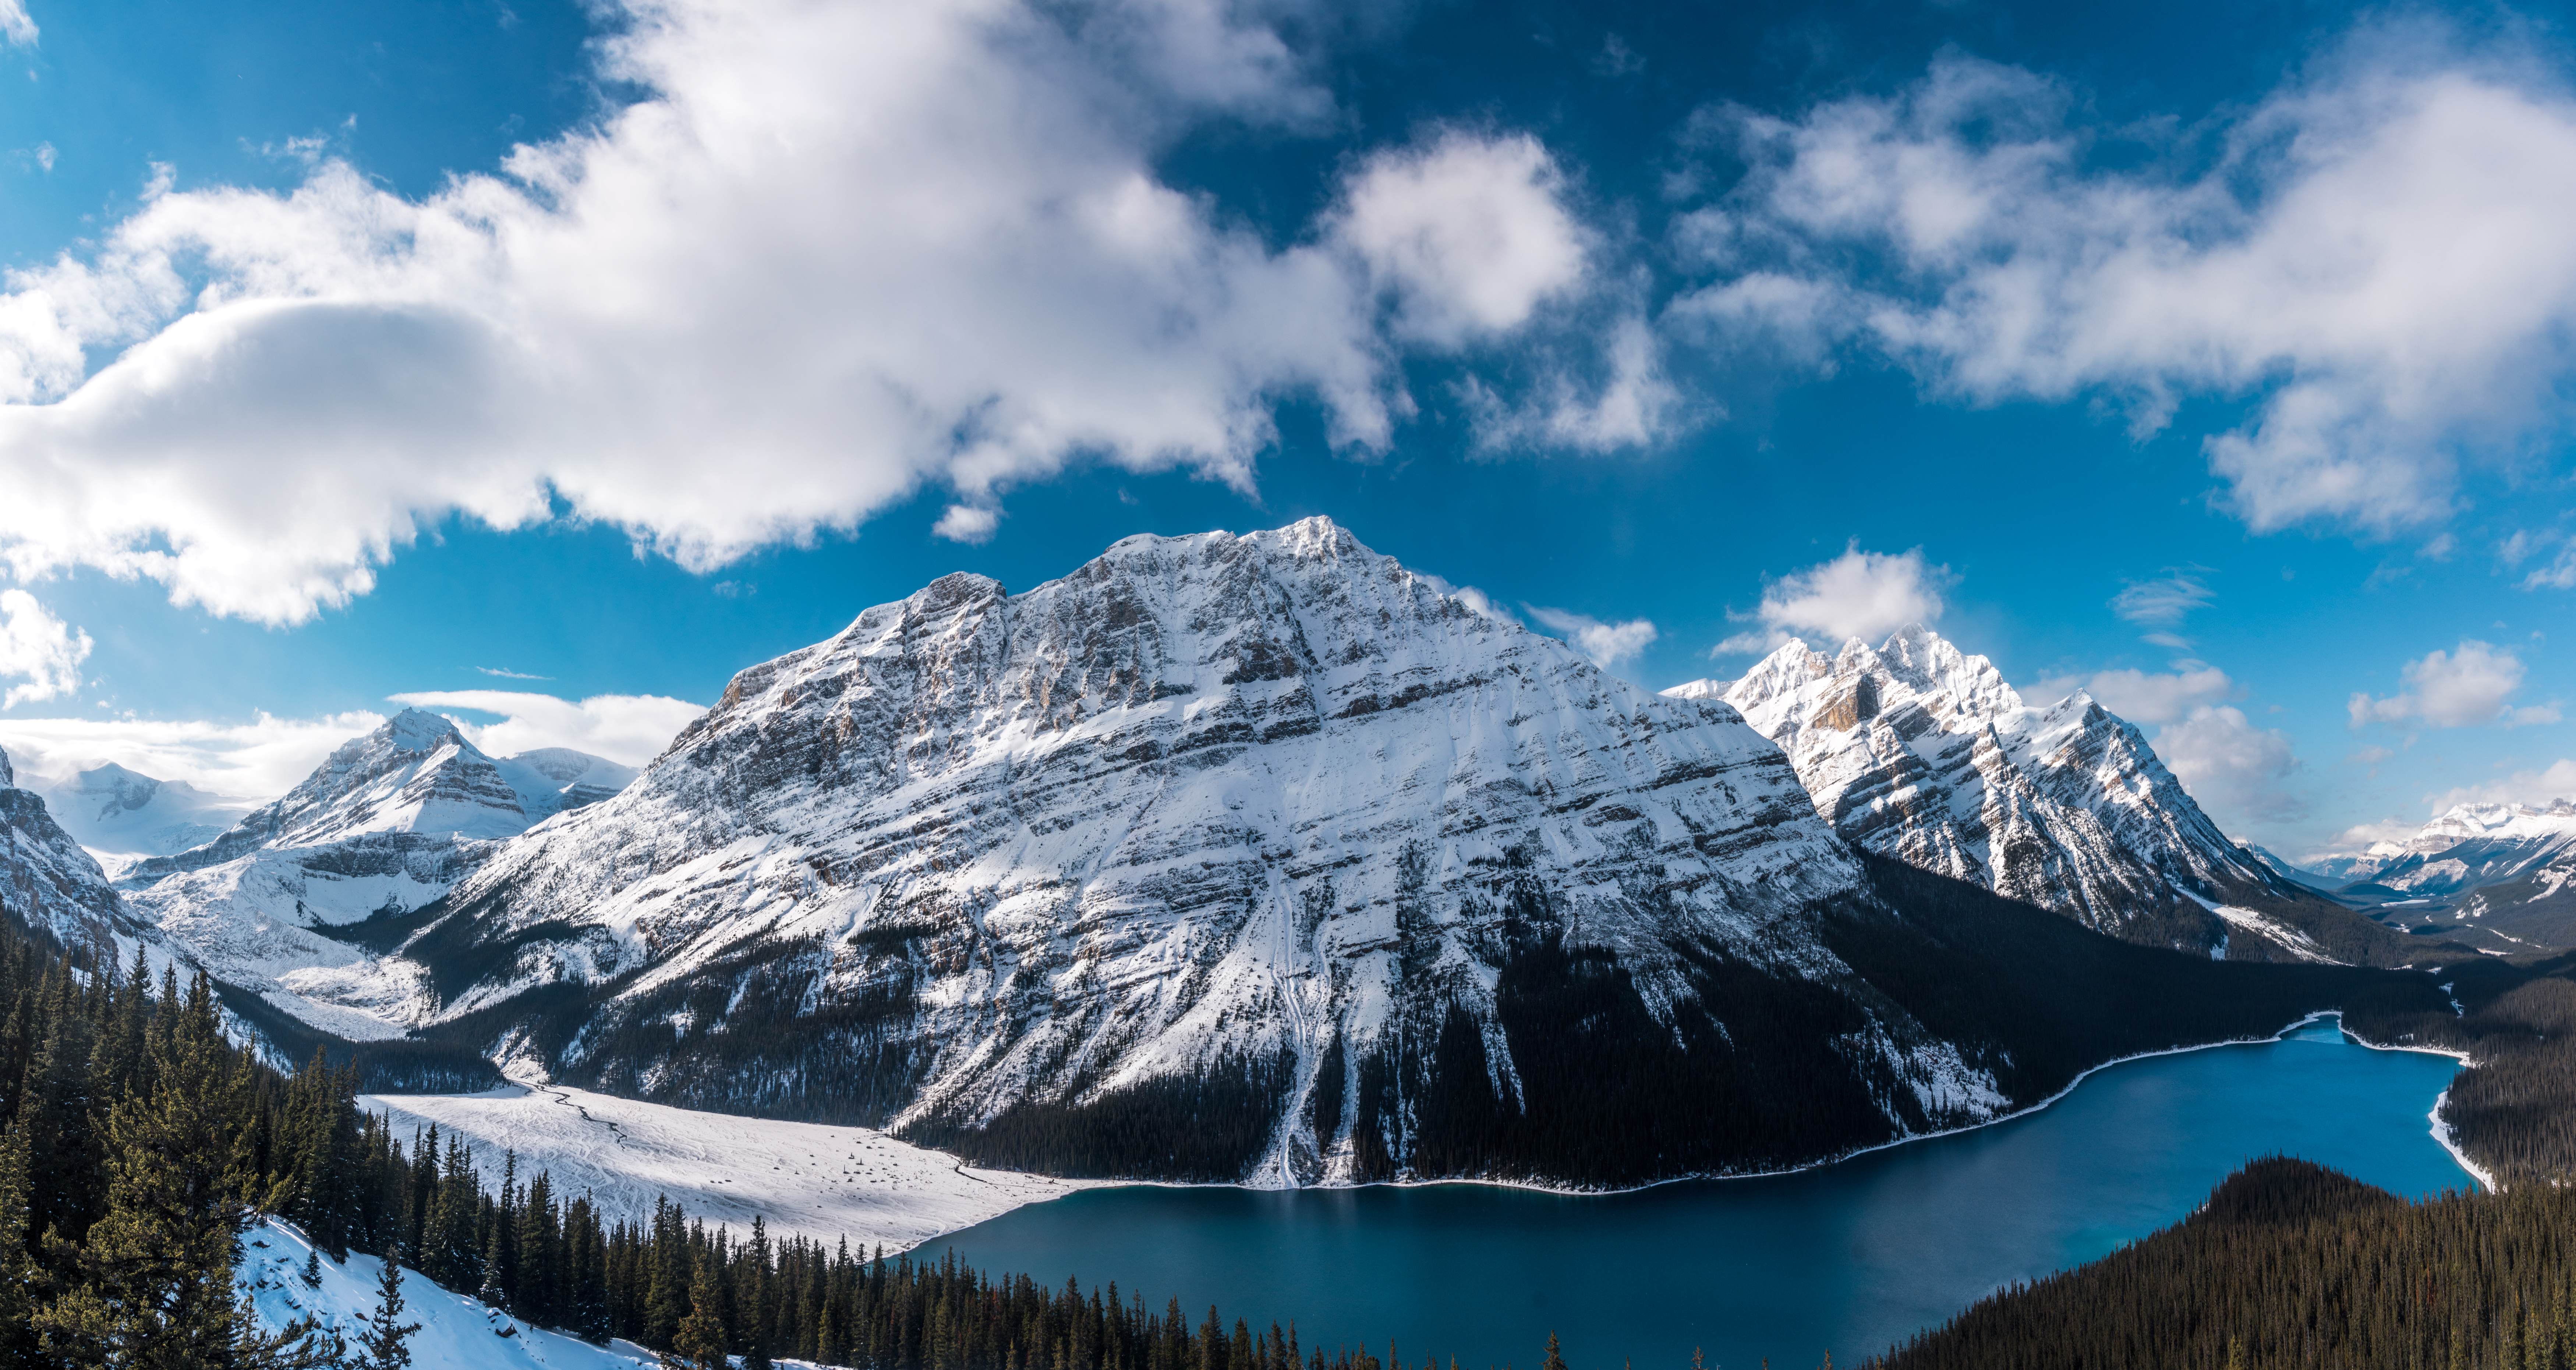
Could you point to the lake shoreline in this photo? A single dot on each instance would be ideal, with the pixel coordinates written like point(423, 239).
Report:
point(2440, 1134)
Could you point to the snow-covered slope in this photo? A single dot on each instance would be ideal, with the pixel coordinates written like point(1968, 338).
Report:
point(1923, 752)
point(389, 822)
point(457, 1332)
point(46, 880)
point(1256, 820)
point(126, 813)
point(824, 1182)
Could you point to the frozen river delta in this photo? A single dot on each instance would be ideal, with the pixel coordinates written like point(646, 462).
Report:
point(822, 1182)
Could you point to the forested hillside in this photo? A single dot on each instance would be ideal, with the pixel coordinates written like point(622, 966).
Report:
point(2291, 1264)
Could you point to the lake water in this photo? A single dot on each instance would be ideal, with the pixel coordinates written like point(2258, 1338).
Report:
point(1848, 1258)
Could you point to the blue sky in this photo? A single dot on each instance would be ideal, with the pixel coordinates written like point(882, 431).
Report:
point(2214, 357)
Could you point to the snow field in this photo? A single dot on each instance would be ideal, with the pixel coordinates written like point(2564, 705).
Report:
point(824, 1183)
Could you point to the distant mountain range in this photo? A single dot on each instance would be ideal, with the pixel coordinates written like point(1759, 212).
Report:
point(2499, 876)
point(1265, 856)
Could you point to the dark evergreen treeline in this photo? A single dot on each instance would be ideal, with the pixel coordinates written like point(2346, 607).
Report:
point(2294, 1265)
point(137, 1145)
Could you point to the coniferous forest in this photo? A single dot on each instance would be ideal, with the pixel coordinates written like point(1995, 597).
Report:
point(137, 1144)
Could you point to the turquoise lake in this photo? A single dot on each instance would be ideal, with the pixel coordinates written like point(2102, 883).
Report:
point(1848, 1258)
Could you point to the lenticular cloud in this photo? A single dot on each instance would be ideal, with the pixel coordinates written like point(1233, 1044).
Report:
point(842, 249)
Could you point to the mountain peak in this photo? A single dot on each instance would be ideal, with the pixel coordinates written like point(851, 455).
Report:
point(8, 774)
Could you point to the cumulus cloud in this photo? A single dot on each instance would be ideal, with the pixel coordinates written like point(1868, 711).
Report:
point(259, 760)
point(2375, 254)
point(38, 650)
point(2235, 770)
point(17, 27)
point(2460, 689)
point(629, 729)
point(2538, 788)
point(967, 523)
point(1470, 234)
point(1858, 594)
point(838, 251)
point(2152, 697)
point(1608, 644)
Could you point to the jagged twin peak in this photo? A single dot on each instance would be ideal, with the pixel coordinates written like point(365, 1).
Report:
point(388, 822)
point(46, 880)
point(1226, 811)
point(1920, 751)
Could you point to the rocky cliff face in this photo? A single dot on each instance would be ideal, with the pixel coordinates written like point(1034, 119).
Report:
point(1922, 752)
point(47, 882)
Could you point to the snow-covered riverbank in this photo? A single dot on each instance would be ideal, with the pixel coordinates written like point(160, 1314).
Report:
point(823, 1182)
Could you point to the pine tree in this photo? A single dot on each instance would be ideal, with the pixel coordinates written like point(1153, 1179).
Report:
point(17, 1273)
point(699, 1344)
point(385, 1331)
point(155, 1272)
point(312, 1276)
point(1555, 1356)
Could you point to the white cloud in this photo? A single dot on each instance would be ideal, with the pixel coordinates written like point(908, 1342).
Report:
point(845, 248)
point(257, 760)
point(2377, 255)
point(1858, 594)
point(18, 28)
point(629, 729)
point(2237, 771)
point(2559, 574)
point(510, 675)
point(2459, 689)
point(2539, 788)
point(2163, 601)
point(39, 648)
point(2148, 697)
point(1630, 408)
point(967, 523)
point(1470, 233)
point(2359, 836)
point(1608, 644)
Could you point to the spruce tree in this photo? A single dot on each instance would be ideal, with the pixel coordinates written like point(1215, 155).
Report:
point(699, 1344)
point(1555, 1355)
point(385, 1331)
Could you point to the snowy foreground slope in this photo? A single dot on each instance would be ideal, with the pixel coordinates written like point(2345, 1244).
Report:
point(456, 1332)
point(1920, 751)
point(825, 1183)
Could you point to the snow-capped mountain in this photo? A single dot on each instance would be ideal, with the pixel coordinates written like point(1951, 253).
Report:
point(2282, 866)
point(47, 881)
point(124, 812)
point(389, 822)
point(1920, 751)
point(1263, 857)
point(1212, 808)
